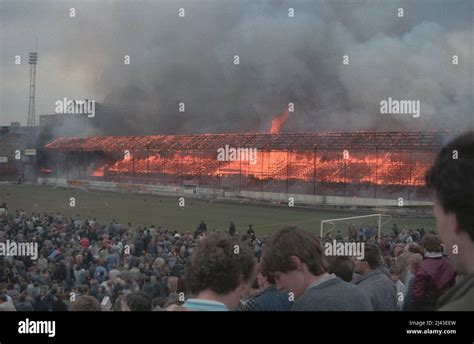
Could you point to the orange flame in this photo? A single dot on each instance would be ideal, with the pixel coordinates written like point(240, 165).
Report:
point(100, 172)
point(381, 169)
point(178, 157)
point(278, 122)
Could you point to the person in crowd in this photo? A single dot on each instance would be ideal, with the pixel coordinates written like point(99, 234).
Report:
point(434, 276)
point(5, 304)
point(269, 298)
point(58, 304)
point(202, 226)
point(80, 255)
point(395, 276)
point(23, 305)
point(232, 228)
point(378, 286)
point(451, 178)
point(342, 267)
point(294, 257)
point(139, 301)
point(251, 232)
point(414, 261)
point(401, 264)
point(220, 270)
point(85, 303)
point(39, 304)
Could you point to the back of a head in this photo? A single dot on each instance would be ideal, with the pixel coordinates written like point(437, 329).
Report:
point(414, 260)
point(372, 256)
point(139, 302)
point(415, 248)
point(219, 262)
point(268, 277)
point(293, 241)
point(172, 284)
point(342, 267)
point(394, 270)
point(432, 243)
point(86, 303)
point(451, 177)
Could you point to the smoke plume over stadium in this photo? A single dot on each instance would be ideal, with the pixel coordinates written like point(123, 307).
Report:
point(282, 60)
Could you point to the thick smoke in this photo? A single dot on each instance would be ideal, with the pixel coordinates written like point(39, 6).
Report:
point(282, 60)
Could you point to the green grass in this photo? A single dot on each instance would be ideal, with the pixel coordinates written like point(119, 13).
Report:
point(146, 210)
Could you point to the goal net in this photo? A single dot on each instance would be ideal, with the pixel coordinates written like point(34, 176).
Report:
point(364, 225)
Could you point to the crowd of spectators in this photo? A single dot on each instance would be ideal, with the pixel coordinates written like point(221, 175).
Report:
point(83, 265)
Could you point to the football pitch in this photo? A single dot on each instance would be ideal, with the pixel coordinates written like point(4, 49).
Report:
point(146, 210)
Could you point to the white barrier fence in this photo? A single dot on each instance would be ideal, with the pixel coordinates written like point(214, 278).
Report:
point(198, 192)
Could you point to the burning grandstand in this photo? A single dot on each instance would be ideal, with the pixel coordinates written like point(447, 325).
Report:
point(367, 165)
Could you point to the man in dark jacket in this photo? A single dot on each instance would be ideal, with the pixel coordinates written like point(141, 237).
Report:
point(202, 226)
point(232, 228)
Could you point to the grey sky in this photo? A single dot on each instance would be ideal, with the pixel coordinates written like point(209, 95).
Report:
point(281, 60)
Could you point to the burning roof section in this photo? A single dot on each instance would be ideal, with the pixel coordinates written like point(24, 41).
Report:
point(401, 141)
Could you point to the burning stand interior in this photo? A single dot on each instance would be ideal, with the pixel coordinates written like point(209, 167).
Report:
point(359, 164)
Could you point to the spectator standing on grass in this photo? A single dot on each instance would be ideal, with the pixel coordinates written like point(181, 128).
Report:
point(453, 183)
point(202, 226)
point(378, 286)
point(353, 233)
point(232, 228)
point(294, 257)
point(218, 273)
point(395, 229)
point(361, 234)
point(250, 232)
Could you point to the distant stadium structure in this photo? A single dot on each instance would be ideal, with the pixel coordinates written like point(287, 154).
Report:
point(375, 165)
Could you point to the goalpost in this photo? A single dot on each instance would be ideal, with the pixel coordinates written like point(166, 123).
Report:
point(332, 222)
